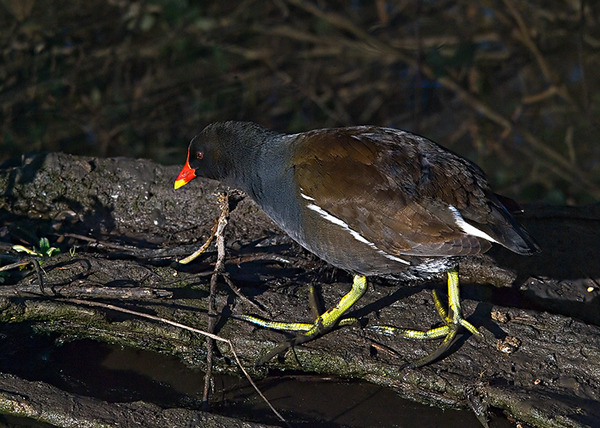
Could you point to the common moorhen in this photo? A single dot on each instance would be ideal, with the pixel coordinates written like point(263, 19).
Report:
point(367, 199)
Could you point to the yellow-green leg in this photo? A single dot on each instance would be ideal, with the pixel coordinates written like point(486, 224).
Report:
point(453, 321)
point(322, 324)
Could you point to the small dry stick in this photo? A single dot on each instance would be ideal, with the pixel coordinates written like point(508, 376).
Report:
point(203, 248)
point(14, 265)
point(36, 265)
point(239, 293)
point(38, 271)
point(212, 312)
point(188, 328)
point(217, 231)
point(214, 232)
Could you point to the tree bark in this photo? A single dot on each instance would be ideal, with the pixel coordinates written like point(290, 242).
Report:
point(120, 226)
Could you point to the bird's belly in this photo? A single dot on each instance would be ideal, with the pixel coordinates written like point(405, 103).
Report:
point(338, 246)
point(355, 257)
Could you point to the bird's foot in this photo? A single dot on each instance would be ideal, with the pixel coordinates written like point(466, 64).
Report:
point(324, 322)
point(453, 321)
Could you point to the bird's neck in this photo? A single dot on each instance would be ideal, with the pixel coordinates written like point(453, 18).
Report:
point(251, 153)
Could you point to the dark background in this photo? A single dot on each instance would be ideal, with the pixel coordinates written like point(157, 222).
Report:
point(512, 85)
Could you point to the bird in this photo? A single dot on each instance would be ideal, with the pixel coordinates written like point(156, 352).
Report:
point(373, 201)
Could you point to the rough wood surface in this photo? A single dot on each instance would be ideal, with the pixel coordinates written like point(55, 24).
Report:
point(539, 359)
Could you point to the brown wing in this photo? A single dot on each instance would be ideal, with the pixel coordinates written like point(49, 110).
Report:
point(397, 190)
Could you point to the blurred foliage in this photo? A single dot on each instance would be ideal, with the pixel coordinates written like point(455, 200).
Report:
point(512, 85)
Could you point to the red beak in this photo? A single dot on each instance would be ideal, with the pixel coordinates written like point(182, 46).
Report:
point(186, 175)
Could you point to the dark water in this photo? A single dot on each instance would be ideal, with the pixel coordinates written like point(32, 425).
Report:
point(119, 374)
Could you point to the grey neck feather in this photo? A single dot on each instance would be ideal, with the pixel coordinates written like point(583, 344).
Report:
point(250, 155)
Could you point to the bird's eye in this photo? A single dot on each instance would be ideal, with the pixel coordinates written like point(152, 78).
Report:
point(199, 155)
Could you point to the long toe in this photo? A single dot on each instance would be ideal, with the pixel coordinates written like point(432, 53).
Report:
point(440, 351)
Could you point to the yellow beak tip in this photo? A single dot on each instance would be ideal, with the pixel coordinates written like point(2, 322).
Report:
point(179, 183)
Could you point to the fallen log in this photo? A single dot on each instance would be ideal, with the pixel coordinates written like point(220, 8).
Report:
point(120, 226)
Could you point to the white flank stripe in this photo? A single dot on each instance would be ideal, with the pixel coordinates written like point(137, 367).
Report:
point(308, 198)
point(389, 256)
point(333, 219)
point(467, 228)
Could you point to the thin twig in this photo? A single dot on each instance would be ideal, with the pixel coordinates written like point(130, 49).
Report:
point(239, 293)
point(88, 289)
point(219, 270)
point(203, 248)
point(212, 312)
point(525, 37)
point(188, 328)
point(14, 265)
point(97, 242)
point(38, 271)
